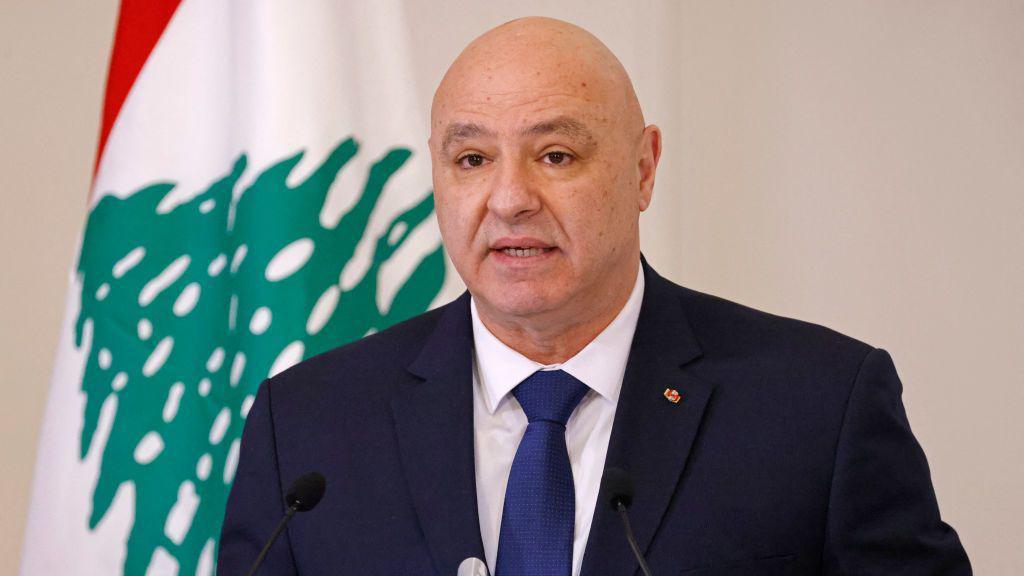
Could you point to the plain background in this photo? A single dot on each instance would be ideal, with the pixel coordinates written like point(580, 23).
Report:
point(858, 164)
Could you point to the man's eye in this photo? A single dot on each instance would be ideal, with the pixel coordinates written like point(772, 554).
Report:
point(471, 161)
point(558, 158)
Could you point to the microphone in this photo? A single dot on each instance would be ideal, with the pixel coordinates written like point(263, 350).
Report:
point(617, 492)
point(473, 567)
point(303, 495)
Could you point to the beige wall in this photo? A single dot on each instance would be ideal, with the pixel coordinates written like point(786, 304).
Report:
point(857, 164)
point(53, 59)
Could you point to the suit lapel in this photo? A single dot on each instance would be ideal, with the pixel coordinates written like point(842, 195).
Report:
point(651, 436)
point(434, 426)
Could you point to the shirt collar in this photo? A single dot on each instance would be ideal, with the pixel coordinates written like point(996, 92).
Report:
point(600, 365)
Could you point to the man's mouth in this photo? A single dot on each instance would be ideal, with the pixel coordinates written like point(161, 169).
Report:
point(521, 247)
point(524, 252)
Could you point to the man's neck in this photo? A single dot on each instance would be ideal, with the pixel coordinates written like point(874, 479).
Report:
point(555, 338)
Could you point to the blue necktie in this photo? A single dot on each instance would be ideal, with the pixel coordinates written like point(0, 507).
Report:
point(540, 499)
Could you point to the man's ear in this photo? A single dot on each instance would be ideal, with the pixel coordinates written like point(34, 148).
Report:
point(650, 153)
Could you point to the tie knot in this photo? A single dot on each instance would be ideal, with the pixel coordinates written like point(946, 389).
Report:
point(549, 395)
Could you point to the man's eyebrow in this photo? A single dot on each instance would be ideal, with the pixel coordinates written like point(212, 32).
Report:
point(462, 131)
point(566, 125)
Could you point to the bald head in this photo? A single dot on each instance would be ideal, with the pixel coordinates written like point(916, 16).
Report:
point(540, 56)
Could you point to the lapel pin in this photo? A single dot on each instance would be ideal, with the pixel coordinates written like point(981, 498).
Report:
point(672, 395)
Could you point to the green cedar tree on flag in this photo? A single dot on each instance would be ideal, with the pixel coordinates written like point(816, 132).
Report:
point(261, 194)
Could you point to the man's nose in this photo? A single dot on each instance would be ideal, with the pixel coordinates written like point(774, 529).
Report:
point(514, 195)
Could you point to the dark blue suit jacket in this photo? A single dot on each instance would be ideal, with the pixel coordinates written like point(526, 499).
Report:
point(789, 453)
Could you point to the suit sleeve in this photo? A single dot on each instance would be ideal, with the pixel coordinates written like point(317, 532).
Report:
point(883, 518)
point(256, 503)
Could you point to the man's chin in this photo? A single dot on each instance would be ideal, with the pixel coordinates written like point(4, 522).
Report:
point(515, 303)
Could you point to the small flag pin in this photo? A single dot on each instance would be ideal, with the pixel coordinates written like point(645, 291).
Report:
point(672, 395)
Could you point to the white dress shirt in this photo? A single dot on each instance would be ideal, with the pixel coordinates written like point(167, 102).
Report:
point(499, 421)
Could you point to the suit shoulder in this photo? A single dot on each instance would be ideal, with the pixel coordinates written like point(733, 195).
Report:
point(375, 354)
point(736, 329)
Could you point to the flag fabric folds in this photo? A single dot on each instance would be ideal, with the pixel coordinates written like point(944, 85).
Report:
point(261, 194)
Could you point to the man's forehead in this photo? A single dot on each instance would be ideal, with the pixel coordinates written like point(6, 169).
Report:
point(512, 90)
point(573, 109)
point(527, 73)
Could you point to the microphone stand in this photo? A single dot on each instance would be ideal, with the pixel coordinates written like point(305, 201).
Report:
point(632, 539)
point(277, 532)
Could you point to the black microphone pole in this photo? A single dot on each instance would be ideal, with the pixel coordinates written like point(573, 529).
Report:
point(303, 495)
point(273, 537)
point(617, 491)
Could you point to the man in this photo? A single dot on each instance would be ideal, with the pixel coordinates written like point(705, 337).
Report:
point(756, 444)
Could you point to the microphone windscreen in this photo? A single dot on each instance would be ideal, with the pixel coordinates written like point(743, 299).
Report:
point(473, 567)
point(616, 486)
point(306, 491)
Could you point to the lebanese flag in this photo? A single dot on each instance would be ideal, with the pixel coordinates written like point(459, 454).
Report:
point(261, 194)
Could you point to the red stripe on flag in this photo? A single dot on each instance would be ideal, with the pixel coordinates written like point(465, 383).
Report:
point(140, 24)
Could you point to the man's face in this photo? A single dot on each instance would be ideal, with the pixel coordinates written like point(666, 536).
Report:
point(537, 183)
